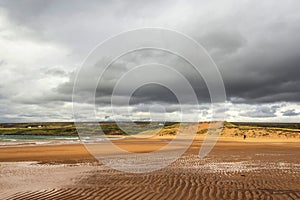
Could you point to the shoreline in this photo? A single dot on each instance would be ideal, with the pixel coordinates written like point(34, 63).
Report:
point(78, 152)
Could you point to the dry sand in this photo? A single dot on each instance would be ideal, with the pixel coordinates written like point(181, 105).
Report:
point(235, 169)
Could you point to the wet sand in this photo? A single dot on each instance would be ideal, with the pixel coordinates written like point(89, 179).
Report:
point(233, 170)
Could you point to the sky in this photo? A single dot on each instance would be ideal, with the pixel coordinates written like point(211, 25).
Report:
point(254, 44)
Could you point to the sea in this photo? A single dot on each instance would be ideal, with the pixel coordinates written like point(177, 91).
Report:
point(19, 140)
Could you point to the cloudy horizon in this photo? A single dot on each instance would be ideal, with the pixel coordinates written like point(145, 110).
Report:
point(254, 44)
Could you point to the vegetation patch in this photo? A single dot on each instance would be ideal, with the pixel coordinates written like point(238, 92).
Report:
point(203, 131)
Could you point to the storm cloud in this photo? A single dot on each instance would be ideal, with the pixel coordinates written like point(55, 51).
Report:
point(254, 44)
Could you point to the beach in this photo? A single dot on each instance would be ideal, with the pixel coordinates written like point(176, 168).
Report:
point(234, 169)
point(149, 100)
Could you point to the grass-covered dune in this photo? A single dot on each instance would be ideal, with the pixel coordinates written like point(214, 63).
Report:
point(267, 125)
point(231, 129)
point(69, 128)
point(48, 128)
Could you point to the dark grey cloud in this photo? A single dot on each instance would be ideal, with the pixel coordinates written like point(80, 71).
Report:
point(272, 82)
point(153, 93)
point(254, 44)
point(291, 112)
point(261, 112)
point(258, 65)
point(146, 94)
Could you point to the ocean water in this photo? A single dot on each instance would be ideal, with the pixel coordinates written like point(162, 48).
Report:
point(13, 140)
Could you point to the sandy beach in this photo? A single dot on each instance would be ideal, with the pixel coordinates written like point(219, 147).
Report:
point(235, 169)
